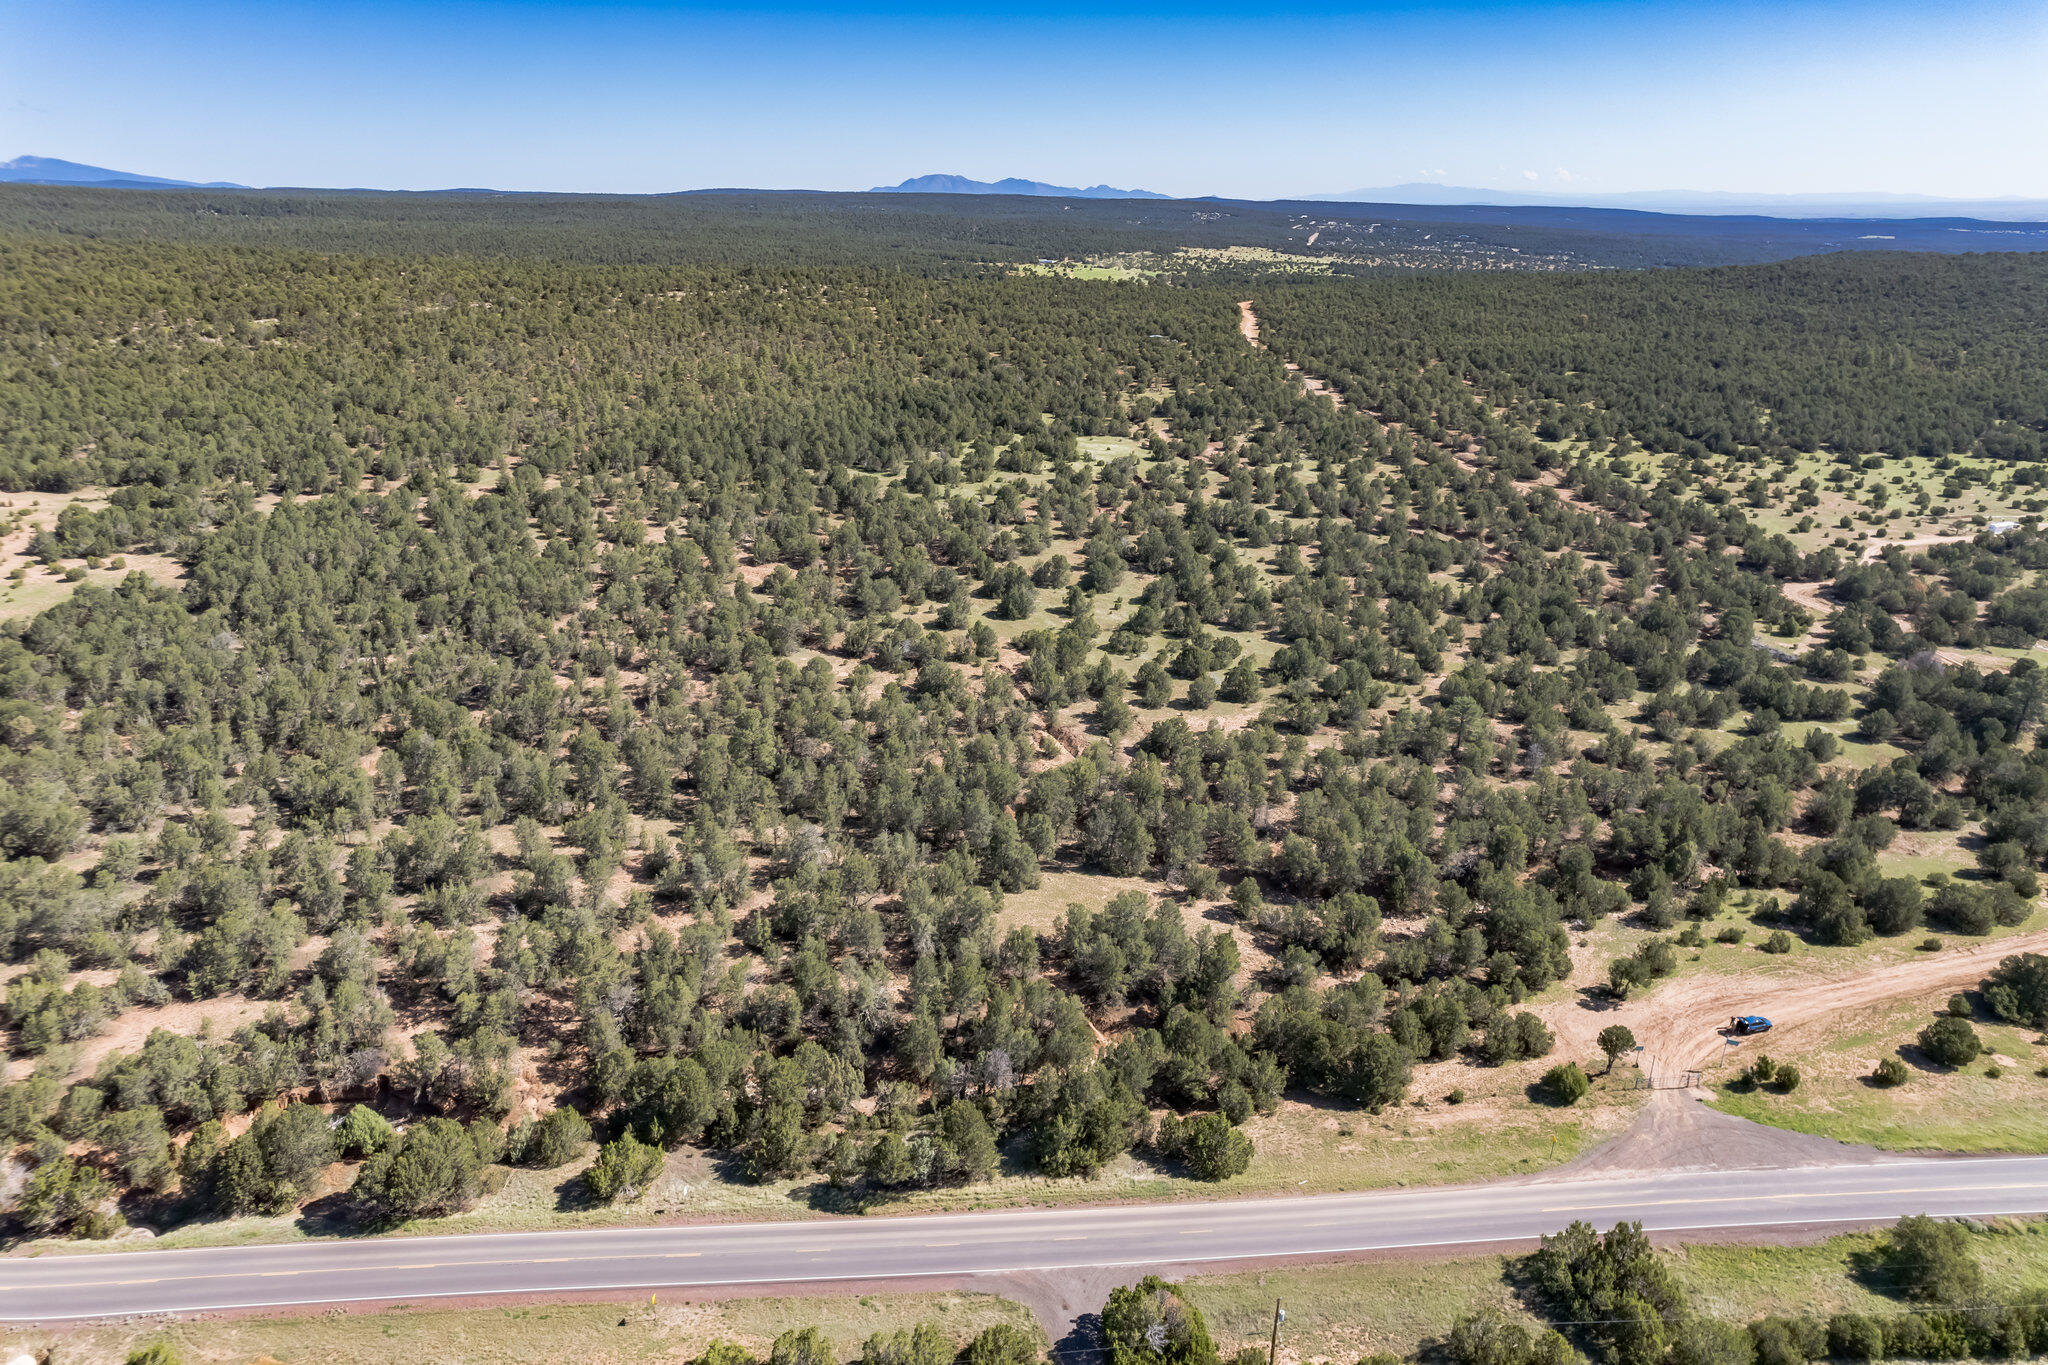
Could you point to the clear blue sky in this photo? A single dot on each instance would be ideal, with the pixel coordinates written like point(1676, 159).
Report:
point(1250, 99)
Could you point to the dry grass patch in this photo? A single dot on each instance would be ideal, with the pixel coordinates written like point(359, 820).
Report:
point(587, 1333)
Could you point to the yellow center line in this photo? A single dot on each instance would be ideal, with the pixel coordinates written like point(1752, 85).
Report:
point(1803, 1194)
point(352, 1269)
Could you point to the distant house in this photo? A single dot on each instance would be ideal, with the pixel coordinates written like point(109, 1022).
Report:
point(1999, 528)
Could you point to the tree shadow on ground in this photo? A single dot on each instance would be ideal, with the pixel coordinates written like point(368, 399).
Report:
point(1872, 1268)
point(573, 1196)
point(1083, 1341)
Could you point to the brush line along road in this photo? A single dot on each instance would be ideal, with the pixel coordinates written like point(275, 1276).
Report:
point(61, 1286)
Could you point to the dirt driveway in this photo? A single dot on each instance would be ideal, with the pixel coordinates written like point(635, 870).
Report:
point(1678, 1022)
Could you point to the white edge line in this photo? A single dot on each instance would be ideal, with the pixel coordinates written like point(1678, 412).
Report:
point(930, 1274)
point(1166, 1208)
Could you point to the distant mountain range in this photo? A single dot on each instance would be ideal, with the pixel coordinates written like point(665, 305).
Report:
point(960, 184)
point(50, 170)
point(1872, 204)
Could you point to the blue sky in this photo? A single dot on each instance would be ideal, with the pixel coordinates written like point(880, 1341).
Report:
point(1250, 99)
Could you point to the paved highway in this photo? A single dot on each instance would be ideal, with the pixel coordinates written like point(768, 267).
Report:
point(62, 1286)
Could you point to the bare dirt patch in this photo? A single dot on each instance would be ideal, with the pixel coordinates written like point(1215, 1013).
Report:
point(127, 1032)
point(1678, 1024)
point(1875, 549)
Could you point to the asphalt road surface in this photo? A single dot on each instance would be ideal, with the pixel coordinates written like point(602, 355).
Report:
point(404, 1269)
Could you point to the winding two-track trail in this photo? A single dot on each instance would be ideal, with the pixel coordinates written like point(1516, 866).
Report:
point(1680, 1169)
point(1248, 324)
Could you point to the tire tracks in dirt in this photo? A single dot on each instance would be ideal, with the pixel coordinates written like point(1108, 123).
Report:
point(1678, 1022)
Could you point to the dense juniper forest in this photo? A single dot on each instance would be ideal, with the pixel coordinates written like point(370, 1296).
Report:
point(619, 706)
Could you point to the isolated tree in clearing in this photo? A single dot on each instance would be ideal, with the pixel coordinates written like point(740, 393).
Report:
point(1616, 1039)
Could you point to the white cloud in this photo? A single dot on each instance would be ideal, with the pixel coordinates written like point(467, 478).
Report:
point(1530, 175)
point(1563, 174)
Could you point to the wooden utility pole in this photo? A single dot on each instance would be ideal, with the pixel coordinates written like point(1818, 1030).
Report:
point(1273, 1350)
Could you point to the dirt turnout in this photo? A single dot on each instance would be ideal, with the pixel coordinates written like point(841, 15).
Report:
point(1678, 1022)
point(1876, 548)
point(1248, 321)
point(1678, 1132)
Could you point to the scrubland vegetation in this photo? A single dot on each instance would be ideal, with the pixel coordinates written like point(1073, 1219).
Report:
point(591, 714)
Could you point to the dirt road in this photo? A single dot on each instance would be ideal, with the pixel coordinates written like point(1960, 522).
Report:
point(1248, 324)
point(1677, 1022)
point(1876, 548)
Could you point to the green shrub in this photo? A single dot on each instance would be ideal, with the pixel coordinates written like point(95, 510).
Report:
point(797, 1346)
point(1002, 1344)
point(2017, 990)
point(1951, 1041)
point(553, 1140)
point(433, 1169)
point(1212, 1149)
point(363, 1133)
point(1149, 1323)
point(1566, 1083)
point(923, 1344)
point(63, 1196)
point(1931, 1261)
point(1890, 1071)
point(625, 1168)
point(723, 1352)
point(1851, 1336)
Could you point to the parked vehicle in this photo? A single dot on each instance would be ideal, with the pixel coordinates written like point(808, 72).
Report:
point(1742, 1025)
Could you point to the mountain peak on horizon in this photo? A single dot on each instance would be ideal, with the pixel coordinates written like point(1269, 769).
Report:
point(960, 184)
point(1836, 204)
point(51, 170)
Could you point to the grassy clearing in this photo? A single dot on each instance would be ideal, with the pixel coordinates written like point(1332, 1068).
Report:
point(1745, 1282)
point(588, 1333)
point(1342, 1312)
point(1962, 1110)
point(1908, 496)
point(1041, 907)
point(1136, 266)
point(45, 587)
